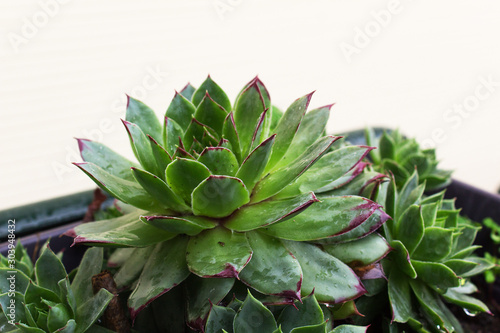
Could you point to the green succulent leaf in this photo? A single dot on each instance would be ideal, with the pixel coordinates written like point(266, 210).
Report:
point(327, 218)
point(460, 266)
point(188, 91)
point(165, 268)
point(21, 280)
point(483, 265)
point(401, 258)
point(286, 128)
point(228, 253)
point(275, 182)
point(70, 327)
point(324, 174)
point(231, 134)
point(248, 109)
point(162, 157)
point(120, 256)
point(268, 212)
point(332, 280)
point(410, 229)
point(211, 114)
point(189, 225)
point(436, 274)
point(141, 146)
point(253, 317)
point(361, 252)
point(90, 265)
point(171, 135)
point(200, 292)
point(184, 175)
point(140, 114)
point(409, 195)
point(125, 190)
point(464, 301)
point(255, 163)
point(349, 329)
point(220, 318)
point(272, 269)
point(219, 196)
point(130, 271)
point(220, 161)
point(387, 147)
point(123, 231)
point(399, 292)
point(49, 270)
point(5, 302)
point(311, 129)
point(216, 93)
point(157, 188)
point(181, 110)
point(58, 316)
point(39, 295)
point(307, 313)
point(108, 160)
point(436, 244)
point(319, 328)
point(435, 308)
point(377, 219)
point(88, 312)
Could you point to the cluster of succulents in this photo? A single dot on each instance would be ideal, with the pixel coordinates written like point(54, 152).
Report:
point(40, 298)
point(251, 316)
point(224, 193)
point(242, 218)
point(431, 260)
point(401, 156)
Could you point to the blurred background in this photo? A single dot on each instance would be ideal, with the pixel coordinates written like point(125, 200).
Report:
point(431, 69)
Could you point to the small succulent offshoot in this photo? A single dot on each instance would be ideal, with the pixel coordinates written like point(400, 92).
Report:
point(226, 192)
point(401, 156)
point(44, 300)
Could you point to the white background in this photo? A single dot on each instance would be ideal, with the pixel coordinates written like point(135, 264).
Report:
point(66, 65)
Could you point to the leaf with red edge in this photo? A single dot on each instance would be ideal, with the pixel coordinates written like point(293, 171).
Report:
point(124, 231)
point(213, 89)
point(278, 179)
point(181, 110)
point(165, 268)
point(268, 212)
point(327, 218)
point(219, 196)
point(105, 158)
point(125, 190)
point(331, 279)
point(272, 270)
point(144, 117)
point(218, 252)
point(248, 112)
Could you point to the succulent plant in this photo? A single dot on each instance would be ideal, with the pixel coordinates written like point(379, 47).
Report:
point(226, 192)
point(432, 260)
point(251, 316)
point(42, 299)
point(402, 156)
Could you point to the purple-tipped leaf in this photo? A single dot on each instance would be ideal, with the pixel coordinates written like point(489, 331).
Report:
point(278, 179)
point(125, 190)
point(106, 158)
point(327, 218)
point(268, 212)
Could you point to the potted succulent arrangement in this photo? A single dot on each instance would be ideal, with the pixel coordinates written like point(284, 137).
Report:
point(242, 218)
